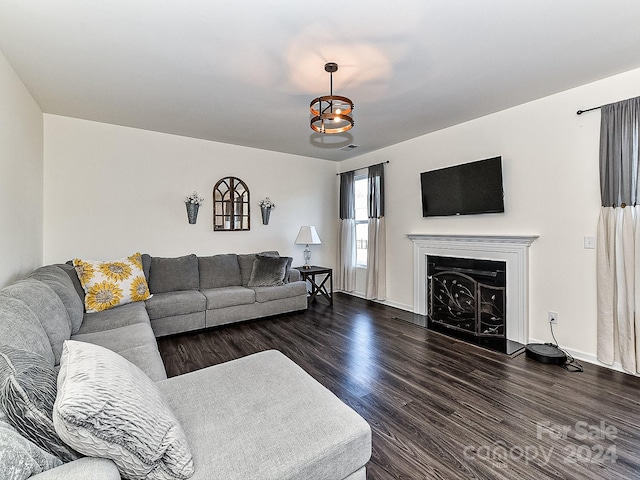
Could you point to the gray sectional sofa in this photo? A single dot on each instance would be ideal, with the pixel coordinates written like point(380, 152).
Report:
point(192, 293)
point(258, 417)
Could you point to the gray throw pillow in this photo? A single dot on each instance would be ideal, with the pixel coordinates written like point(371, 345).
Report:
point(20, 458)
point(246, 264)
point(173, 274)
point(268, 271)
point(107, 407)
point(27, 394)
point(287, 270)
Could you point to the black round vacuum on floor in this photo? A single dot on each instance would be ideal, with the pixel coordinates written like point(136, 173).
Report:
point(545, 353)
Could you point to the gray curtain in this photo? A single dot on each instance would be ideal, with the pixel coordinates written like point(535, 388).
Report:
point(618, 246)
point(347, 196)
point(619, 153)
point(346, 277)
point(376, 248)
point(376, 191)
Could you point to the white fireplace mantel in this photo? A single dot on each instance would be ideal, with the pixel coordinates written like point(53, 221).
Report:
point(511, 249)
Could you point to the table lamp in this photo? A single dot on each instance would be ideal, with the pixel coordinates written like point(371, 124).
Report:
point(307, 236)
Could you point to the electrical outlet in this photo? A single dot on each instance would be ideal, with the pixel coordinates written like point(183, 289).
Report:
point(553, 318)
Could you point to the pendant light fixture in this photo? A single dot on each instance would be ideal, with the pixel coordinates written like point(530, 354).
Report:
point(331, 112)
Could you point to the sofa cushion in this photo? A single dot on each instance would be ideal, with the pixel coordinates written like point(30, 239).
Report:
point(107, 407)
point(86, 468)
point(27, 394)
point(268, 271)
point(129, 314)
point(178, 324)
point(146, 265)
point(266, 418)
point(174, 274)
point(287, 275)
point(20, 328)
point(136, 343)
point(228, 296)
point(175, 303)
point(147, 358)
point(245, 261)
point(246, 264)
point(122, 338)
point(267, 294)
point(20, 458)
point(47, 306)
point(294, 275)
point(112, 283)
point(70, 270)
point(59, 280)
point(219, 271)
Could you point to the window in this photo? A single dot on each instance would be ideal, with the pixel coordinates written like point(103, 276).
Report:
point(362, 219)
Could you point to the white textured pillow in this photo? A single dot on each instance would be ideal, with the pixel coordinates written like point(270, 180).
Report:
point(107, 407)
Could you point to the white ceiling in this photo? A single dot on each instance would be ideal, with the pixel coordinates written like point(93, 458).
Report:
point(244, 72)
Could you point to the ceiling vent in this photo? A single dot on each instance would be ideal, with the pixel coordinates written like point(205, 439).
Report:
point(349, 147)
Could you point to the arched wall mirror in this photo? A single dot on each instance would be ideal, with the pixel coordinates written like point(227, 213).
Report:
point(231, 205)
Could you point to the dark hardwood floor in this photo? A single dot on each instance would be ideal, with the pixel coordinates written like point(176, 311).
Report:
point(440, 408)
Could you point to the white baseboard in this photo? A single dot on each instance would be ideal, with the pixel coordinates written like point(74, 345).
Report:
point(388, 303)
point(589, 358)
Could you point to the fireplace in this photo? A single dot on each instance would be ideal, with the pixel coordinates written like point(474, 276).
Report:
point(512, 282)
point(466, 298)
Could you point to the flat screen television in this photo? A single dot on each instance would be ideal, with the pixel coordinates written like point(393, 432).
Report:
point(466, 189)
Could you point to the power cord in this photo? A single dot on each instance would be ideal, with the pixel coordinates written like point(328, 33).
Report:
point(570, 364)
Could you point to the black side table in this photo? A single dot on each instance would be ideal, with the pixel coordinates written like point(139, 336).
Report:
point(318, 289)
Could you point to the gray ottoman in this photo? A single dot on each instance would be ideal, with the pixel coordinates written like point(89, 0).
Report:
point(263, 417)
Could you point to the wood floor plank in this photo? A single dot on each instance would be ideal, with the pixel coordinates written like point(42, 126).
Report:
point(440, 408)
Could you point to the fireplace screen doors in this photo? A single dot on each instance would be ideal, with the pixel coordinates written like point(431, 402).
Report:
point(467, 295)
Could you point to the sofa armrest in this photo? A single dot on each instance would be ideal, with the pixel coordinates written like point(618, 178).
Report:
point(85, 468)
point(294, 275)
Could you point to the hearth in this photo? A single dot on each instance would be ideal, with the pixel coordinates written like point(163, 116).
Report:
point(466, 299)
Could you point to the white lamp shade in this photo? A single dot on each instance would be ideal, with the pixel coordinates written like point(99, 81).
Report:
point(307, 236)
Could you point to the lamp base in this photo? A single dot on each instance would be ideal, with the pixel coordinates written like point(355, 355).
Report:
point(307, 256)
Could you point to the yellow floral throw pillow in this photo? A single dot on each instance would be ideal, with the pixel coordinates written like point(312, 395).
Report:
point(109, 284)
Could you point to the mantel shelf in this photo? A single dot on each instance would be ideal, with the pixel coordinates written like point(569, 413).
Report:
point(525, 240)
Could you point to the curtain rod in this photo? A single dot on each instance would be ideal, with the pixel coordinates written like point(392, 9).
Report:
point(580, 112)
point(362, 168)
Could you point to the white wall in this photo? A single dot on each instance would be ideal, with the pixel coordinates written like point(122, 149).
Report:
point(20, 177)
point(550, 167)
point(110, 191)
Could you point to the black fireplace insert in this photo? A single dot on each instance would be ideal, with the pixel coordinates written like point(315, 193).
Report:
point(467, 299)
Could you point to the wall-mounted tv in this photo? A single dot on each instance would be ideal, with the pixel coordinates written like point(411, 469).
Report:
point(465, 189)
